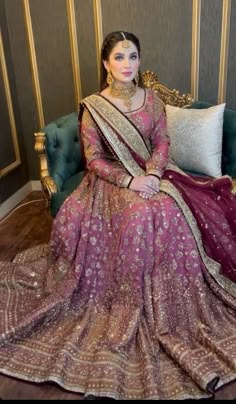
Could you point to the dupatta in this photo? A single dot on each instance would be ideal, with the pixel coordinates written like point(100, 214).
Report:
point(196, 197)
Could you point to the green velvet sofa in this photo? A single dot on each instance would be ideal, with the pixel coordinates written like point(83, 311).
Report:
point(61, 163)
point(58, 146)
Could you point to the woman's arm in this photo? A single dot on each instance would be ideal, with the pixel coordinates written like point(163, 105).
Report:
point(97, 158)
point(159, 141)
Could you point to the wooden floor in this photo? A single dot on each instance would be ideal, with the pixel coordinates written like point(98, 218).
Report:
point(29, 226)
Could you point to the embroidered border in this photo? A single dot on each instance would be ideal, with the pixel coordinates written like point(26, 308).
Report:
point(119, 123)
point(120, 149)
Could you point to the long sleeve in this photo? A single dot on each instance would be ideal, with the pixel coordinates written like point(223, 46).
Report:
point(159, 141)
point(98, 160)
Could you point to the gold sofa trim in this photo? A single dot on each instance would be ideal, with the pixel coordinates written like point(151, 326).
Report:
point(171, 97)
point(48, 184)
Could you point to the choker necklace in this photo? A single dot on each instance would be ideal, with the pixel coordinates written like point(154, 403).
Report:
point(125, 92)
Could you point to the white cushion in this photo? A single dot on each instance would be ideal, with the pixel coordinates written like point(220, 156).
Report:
point(196, 138)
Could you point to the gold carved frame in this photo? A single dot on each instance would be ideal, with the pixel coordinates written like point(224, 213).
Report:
point(48, 184)
point(171, 97)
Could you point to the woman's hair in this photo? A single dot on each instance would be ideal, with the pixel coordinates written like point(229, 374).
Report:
point(109, 43)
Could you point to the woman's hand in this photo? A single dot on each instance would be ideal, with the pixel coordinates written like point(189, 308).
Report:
point(146, 185)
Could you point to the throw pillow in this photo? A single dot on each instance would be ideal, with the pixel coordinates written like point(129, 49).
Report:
point(196, 138)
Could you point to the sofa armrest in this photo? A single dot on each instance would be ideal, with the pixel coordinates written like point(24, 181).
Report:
point(48, 184)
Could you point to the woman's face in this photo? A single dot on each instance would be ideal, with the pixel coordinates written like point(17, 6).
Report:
point(123, 63)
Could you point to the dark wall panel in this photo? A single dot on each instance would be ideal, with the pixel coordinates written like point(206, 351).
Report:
point(164, 30)
point(87, 46)
point(211, 15)
point(19, 176)
point(231, 79)
point(23, 79)
point(51, 35)
point(7, 154)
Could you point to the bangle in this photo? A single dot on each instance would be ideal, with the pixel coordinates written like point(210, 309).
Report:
point(131, 179)
point(155, 175)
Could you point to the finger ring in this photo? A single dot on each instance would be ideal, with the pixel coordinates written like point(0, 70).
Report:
point(143, 195)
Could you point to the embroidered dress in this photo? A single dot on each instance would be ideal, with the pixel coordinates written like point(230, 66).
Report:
point(133, 298)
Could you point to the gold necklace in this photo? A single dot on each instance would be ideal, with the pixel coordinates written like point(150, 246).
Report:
point(125, 92)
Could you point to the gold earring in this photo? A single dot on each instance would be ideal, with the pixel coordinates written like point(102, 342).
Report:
point(136, 78)
point(109, 78)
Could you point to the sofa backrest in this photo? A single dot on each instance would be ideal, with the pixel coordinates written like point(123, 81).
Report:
point(63, 148)
point(63, 145)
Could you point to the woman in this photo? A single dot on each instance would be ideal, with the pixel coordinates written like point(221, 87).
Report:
point(135, 299)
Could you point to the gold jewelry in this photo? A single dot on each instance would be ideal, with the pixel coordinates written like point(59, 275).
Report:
point(125, 42)
point(136, 78)
point(109, 78)
point(125, 92)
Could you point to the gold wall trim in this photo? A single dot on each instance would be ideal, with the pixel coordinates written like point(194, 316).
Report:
point(33, 61)
point(196, 25)
point(74, 50)
point(17, 161)
point(224, 49)
point(97, 9)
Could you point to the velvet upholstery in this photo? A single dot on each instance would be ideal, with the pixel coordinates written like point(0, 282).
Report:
point(63, 151)
point(69, 185)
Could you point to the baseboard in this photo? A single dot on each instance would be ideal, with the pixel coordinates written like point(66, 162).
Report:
point(16, 198)
point(36, 186)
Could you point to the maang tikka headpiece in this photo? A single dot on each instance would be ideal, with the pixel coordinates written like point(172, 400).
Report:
point(125, 42)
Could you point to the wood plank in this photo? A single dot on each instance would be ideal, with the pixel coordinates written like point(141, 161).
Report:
point(29, 225)
point(13, 389)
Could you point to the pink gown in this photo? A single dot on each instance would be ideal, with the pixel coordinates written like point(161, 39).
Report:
point(122, 303)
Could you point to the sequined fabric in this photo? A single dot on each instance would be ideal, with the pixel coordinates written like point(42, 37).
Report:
point(121, 303)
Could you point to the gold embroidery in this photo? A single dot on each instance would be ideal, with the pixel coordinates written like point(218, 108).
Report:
point(120, 123)
point(121, 150)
